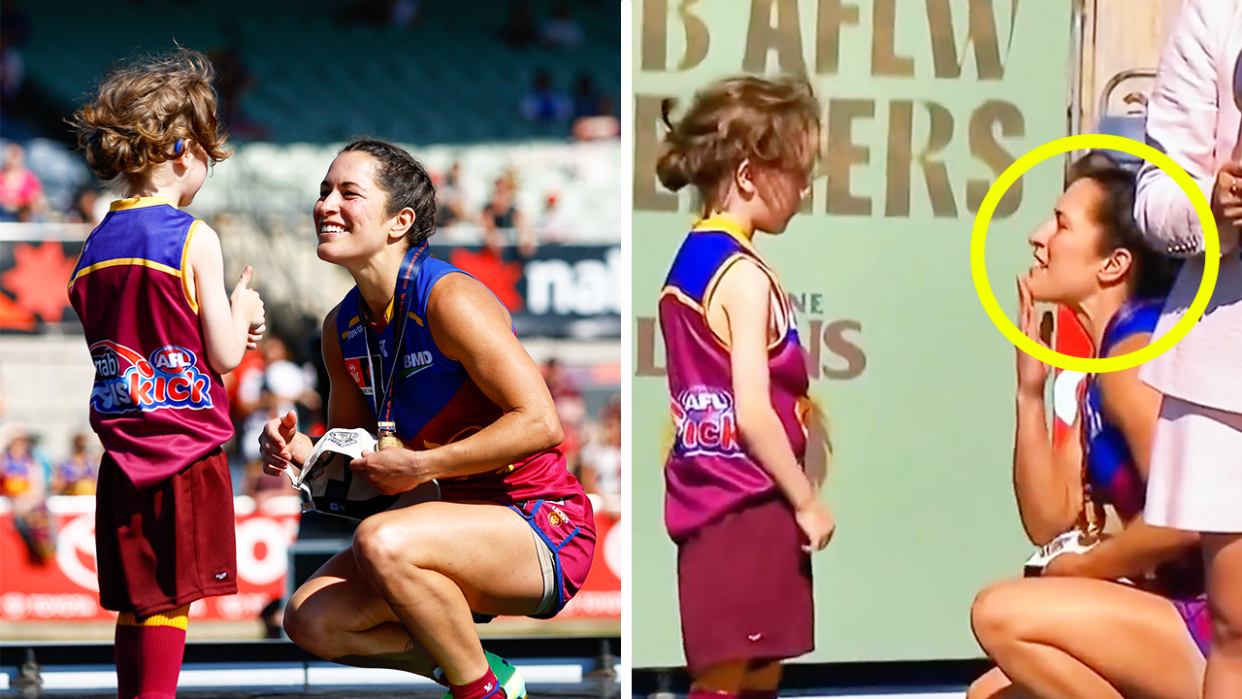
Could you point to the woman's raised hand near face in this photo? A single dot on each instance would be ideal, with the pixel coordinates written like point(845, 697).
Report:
point(1032, 373)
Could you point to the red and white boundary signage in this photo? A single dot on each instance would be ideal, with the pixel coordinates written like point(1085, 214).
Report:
point(65, 588)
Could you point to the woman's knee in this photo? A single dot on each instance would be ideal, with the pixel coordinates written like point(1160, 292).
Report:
point(379, 546)
point(307, 625)
point(993, 614)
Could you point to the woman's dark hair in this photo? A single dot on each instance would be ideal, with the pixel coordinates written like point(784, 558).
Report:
point(1153, 273)
point(406, 183)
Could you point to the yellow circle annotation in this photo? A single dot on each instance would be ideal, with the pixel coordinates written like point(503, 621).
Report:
point(1097, 365)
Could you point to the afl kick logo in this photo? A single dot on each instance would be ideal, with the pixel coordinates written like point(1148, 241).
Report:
point(706, 423)
point(126, 381)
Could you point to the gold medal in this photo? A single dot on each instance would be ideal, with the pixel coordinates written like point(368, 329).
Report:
point(388, 435)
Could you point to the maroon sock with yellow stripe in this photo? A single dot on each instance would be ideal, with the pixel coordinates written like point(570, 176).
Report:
point(148, 654)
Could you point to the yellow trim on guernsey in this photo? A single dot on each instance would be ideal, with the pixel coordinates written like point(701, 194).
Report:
point(140, 203)
point(178, 617)
point(721, 222)
point(190, 296)
point(124, 261)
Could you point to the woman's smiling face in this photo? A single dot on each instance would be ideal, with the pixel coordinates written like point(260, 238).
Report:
point(1068, 247)
point(350, 215)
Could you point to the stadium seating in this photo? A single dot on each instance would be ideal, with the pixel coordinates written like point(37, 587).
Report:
point(450, 80)
point(266, 179)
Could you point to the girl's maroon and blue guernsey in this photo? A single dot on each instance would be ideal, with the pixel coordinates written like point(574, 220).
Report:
point(708, 472)
point(157, 405)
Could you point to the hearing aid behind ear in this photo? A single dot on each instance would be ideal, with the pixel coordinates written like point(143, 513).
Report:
point(179, 147)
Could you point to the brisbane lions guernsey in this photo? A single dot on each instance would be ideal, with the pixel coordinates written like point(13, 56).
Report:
point(157, 405)
point(1111, 471)
point(708, 472)
point(436, 402)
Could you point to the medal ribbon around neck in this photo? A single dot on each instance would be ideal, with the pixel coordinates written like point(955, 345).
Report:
point(410, 264)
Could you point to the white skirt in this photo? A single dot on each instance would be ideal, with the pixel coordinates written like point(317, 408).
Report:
point(1195, 482)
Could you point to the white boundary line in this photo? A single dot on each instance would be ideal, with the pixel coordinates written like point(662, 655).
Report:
point(291, 676)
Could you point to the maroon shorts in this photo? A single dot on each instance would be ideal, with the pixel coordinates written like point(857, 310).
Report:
point(165, 547)
point(568, 528)
point(744, 584)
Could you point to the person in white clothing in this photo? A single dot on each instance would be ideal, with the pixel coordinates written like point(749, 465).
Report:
point(1195, 482)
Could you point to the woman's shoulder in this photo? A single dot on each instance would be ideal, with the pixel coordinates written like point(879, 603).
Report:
point(447, 293)
point(1135, 317)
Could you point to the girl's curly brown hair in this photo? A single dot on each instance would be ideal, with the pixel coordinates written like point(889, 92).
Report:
point(144, 107)
point(773, 122)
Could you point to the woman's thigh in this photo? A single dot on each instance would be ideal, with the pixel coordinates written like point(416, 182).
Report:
point(1133, 639)
point(488, 550)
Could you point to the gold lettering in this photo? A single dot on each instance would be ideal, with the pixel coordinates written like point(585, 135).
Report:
point(813, 350)
point(698, 36)
point(646, 365)
point(934, 171)
point(655, 35)
point(851, 352)
point(845, 154)
point(982, 34)
point(884, 58)
point(985, 147)
point(646, 152)
point(785, 36)
point(899, 159)
point(832, 15)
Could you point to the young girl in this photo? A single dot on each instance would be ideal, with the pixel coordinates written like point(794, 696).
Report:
point(149, 288)
point(1075, 632)
point(736, 486)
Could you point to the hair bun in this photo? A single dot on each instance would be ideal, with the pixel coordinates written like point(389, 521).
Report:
point(671, 169)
